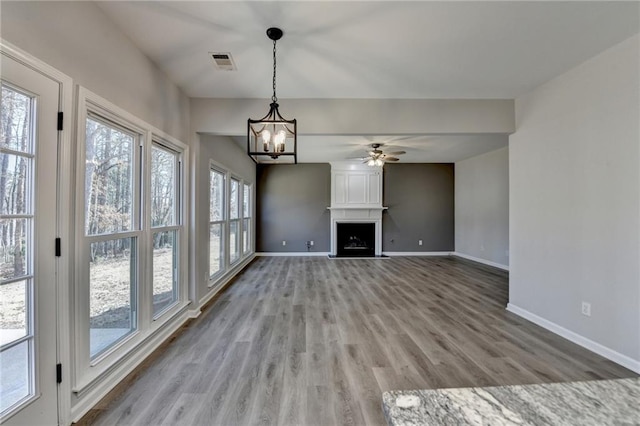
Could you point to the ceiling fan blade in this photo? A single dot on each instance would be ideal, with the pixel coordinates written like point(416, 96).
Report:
point(396, 153)
point(356, 158)
point(391, 159)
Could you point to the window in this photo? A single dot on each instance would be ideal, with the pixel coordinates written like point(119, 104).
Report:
point(234, 221)
point(111, 185)
point(217, 186)
point(164, 223)
point(131, 272)
point(246, 221)
point(16, 247)
point(229, 221)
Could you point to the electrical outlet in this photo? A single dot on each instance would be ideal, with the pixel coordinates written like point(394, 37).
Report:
point(419, 242)
point(284, 243)
point(311, 242)
point(586, 309)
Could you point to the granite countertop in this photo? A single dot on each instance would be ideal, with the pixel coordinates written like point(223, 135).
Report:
point(598, 402)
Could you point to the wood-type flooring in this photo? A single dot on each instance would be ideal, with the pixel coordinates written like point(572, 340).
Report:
point(315, 341)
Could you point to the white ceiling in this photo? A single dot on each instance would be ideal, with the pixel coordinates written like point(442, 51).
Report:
point(374, 50)
point(419, 149)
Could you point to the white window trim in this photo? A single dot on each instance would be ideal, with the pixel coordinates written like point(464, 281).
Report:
point(178, 149)
point(86, 372)
point(237, 220)
point(64, 216)
point(247, 250)
point(243, 255)
point(225, 215)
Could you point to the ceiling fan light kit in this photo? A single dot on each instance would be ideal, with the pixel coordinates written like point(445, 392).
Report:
point(272, 139)
point(377, 157)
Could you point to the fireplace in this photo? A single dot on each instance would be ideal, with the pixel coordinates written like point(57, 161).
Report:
point(356, 210)
point(356, 239)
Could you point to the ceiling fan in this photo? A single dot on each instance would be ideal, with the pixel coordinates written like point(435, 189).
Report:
point(377, 157)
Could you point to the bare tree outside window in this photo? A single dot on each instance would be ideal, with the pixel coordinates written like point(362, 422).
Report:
point(217, 182)
point(109, 210)
point(164, 171)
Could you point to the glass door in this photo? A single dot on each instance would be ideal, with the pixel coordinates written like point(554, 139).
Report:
point(28, 158)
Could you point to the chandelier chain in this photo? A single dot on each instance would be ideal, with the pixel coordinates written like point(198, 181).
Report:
point(274, 98)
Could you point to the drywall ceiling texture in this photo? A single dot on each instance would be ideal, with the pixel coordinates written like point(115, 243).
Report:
point(575, 201)
point(482, 207)
point(420, 201)
point(291, 204)
point(78, 39)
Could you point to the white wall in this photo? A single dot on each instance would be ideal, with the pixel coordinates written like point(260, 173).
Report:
point(574, 163)
point(482, 207)
point(229, 155)
point(360, 116)
point(78, 39)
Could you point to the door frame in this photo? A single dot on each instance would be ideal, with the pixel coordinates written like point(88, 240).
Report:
point(64, 218)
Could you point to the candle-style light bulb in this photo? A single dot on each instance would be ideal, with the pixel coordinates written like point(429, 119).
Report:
point(266, 137)
point(279, 139)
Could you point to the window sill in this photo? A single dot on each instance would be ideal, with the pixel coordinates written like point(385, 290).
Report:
point(135, 345)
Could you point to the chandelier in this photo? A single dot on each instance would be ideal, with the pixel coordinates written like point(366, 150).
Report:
point(272, 139)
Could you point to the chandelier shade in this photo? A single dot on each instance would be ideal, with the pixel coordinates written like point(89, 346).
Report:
point(273, 138)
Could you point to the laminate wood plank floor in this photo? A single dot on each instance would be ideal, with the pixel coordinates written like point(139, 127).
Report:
point(315, 341)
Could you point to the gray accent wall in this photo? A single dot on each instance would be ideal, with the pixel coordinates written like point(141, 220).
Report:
point(291, 206)
point(420, 198)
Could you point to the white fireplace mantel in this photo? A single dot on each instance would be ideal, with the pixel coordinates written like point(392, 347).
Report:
point(356, 196)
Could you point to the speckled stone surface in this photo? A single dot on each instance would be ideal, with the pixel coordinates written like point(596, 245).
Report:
point(598, 402)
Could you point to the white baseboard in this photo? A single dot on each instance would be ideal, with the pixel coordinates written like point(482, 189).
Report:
point(223, 280)
point(102, 388)
point(293, 253)
point(416, 253)
point(479, 260)
point(610, 354)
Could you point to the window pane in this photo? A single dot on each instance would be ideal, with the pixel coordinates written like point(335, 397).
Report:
point(246, 232)
point(165, 282)
point(216, 249)
point(14, 305)
point(14, 173)
point(234, 240)
point(163, 175)
point(216, 198)
point(15, 111)
point(112, 288)
point(233, 199)
point(108, 179)
point(14, 253)
point(246, 197)
point(15, 372)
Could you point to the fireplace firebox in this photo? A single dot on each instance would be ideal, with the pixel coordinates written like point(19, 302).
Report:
point(356, 239)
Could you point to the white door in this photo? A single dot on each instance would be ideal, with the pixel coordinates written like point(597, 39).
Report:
point(28, 158)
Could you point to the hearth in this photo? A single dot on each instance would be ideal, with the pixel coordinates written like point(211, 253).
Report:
point(356, 239)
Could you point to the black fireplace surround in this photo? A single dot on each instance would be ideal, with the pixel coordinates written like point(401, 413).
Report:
point(356, 239)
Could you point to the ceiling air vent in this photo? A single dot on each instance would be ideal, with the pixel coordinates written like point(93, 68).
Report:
point(223, 61)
